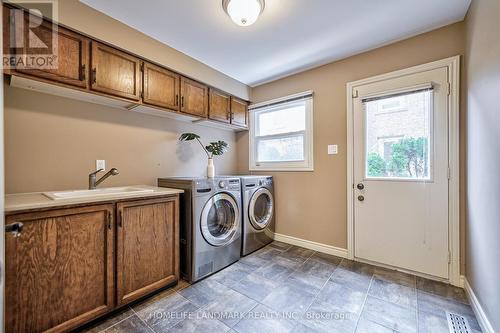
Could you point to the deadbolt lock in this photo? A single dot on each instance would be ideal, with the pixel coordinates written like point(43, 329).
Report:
point(360, 186)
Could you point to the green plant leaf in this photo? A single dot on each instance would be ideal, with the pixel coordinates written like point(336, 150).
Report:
point(217, 148)
point(188, 137)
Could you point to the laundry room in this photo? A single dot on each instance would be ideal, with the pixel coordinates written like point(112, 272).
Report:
point(249, 166)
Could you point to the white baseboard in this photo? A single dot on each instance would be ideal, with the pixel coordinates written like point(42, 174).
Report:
point(478, 309)
point(328, 249)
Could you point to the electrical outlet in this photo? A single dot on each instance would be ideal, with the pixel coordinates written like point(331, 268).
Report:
point(100, 164)
point(333, 150)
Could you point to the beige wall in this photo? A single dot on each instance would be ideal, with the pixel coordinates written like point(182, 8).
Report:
point(312, 205)
point(51, 143)
point(483, 156)
point(85, 19)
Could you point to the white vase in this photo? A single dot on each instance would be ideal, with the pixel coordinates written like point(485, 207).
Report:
point(210, 168)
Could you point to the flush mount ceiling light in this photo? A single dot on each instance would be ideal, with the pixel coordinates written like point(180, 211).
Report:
point(243, 12)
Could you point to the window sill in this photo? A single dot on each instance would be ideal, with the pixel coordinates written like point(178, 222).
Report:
point(281, 169)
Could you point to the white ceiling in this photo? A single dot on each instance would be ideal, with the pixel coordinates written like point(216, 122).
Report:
point(290, 36)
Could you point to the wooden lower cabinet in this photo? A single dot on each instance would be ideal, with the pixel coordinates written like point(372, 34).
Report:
point(147, 247)
point(59, 271)
point(70, 266)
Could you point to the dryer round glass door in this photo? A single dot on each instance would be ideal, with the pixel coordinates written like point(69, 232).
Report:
point(220, 219)
point(260, 209)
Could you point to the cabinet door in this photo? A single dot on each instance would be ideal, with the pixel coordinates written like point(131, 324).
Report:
point(161, 87)
point(148, 247)
point(194, 98)
point(220, 106)
point(70, 65)
point(59, 271)
point(239, 112)
point(115, 72)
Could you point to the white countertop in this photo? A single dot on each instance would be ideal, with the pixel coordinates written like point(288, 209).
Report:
point(37, 200)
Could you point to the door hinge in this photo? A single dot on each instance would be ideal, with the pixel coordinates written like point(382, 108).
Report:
point(354, 93)
point(449, 88)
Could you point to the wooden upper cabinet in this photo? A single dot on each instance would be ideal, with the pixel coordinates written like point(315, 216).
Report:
point(220, 106)
point(148, 247)
point(161, 87)
point(239, 112)
point(59, 271)
point(115, 72)
point(65, 53)
point(194, 98)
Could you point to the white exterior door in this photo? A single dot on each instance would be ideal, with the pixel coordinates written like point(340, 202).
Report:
point(401, 172)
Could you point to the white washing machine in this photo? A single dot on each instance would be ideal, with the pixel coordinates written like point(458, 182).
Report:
point(210, 224)
point(258, 212)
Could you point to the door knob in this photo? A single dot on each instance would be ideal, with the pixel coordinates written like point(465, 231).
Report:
point(360, 186)
point(361, 198)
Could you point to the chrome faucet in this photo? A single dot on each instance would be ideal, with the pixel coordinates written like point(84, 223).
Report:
point(93, 182)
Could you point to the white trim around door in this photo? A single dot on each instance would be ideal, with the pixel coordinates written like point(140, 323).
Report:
point(453, 65)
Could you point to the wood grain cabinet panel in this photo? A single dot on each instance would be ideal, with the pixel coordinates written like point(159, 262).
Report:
point(115, 72)
point(161, 87)
point(148, 247)
point(194, 98)
point(220, 106)
point(239, 112)
point(70, 63)
point(59, 271)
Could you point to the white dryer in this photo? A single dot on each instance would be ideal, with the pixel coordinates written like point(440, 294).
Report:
point(258, 212)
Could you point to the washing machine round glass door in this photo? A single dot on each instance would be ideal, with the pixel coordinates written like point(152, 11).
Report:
point(220, 219)
point(260, 208)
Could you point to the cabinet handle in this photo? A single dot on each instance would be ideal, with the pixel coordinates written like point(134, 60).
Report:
point(120, 223)
point(82, 74)
point(94, 75)
point(14, 228)
point(176, 100)
point(182, 101)
point(110, 225)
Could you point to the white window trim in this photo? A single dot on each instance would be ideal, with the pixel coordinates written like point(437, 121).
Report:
point(308, 163)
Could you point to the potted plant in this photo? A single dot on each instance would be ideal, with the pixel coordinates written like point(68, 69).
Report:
point(213, 149)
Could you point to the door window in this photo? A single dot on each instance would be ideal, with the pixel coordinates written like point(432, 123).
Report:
point(399, 136)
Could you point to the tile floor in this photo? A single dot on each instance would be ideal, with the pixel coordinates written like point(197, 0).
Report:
point(284, 288)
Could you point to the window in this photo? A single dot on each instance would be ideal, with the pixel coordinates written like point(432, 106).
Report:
point(281, 134)
point(398, 145)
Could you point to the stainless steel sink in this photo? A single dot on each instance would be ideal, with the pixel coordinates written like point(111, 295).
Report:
point(101, 192)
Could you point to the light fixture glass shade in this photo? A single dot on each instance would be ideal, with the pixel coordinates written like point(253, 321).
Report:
point(244, 12)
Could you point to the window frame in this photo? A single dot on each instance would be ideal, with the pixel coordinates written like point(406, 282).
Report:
point(308, 133)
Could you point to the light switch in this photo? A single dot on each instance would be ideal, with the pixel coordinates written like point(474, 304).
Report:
point(100, 164)
point(333, 150)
